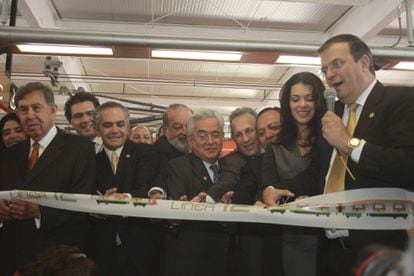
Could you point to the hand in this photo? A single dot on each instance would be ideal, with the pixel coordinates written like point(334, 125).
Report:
point(259, 204)
point(301, 197)
point(201, 197)
point(334, 131)
point(4, 211)
point(157, 195)
point(271, 195)
point(226, 198)
point(22, 210)
point(112, 192)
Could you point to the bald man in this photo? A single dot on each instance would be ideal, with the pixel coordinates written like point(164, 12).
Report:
point(141, 134)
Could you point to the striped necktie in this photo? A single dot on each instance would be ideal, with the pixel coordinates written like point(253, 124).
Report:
point(216, 173)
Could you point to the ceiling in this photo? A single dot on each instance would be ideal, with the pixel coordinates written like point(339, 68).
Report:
point(260, 29)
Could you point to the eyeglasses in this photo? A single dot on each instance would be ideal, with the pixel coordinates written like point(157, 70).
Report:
point(248, 132)
point(336, 64)
point(203, 136)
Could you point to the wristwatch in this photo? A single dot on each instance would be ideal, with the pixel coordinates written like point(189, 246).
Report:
point(353, 143)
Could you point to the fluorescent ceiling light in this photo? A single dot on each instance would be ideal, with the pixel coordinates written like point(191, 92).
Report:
point(300, 60)
point(198, 55)
point(64, 49)
point(404, 65)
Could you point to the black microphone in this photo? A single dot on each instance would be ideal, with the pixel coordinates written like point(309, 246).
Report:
point(330, 97)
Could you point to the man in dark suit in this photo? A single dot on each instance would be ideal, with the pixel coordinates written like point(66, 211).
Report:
point(243, 131)
point(123, 246)
point(50, 161)
point(171, 145)
point(197, 248)
point(379, 151)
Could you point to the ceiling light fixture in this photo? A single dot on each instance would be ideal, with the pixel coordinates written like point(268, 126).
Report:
point(196, 55)
point(64, 49)
point(404, 65)
point(299, 60)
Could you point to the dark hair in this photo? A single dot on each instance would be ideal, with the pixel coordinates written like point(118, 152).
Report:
point(357, 47)
point(266, 109)
point(25, 90)
point(60, 260)
point(3, 121)
point(172, 107)
point(79, 98)
point(289, 129)
point(109, 105)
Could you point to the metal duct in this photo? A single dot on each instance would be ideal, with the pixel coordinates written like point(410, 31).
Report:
point(12, 35)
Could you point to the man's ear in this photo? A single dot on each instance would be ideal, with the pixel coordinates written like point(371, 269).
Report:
point(365, 61)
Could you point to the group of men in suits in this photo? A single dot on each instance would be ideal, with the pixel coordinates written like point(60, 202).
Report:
point(185, 164)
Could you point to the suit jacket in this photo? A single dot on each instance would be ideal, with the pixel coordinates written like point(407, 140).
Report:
point(387, 159)
point(165, 152)
point(231, 166)
point(66, 165)
point(195, 248)
point(137, 168)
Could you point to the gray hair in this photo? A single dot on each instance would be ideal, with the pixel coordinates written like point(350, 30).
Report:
point(109, 105)
point(241, 111)
point(201, 116)
point(31, 87)
point(172, 107)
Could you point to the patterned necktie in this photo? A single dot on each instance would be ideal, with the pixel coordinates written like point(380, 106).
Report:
point(114, 161)
point(216, 172)
point(336, 179)
point(34, 156)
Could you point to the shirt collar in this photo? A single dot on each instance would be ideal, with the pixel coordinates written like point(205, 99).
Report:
point(45, 141)
point(109, 152)
point(363, 97)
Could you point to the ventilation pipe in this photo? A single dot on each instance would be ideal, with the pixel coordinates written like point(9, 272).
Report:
point(13, 35)
point(409, 15)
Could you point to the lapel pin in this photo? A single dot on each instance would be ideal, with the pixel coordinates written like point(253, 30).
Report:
point(128, 156)
point(371, 115)
point(205, 178)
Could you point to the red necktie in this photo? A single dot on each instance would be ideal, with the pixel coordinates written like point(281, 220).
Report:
point(34, 156)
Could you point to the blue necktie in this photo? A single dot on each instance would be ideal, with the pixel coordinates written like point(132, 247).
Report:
point(216, 172)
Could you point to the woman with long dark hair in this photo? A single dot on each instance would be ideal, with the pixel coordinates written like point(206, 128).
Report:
point(11, 131)
point(302, 107)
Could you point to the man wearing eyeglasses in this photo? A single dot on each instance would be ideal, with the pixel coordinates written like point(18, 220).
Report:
point(243, 131)
point(197, 248)
point(373, 130)
point(79, 111)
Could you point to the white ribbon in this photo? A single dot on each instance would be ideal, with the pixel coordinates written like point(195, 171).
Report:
point(376, 208)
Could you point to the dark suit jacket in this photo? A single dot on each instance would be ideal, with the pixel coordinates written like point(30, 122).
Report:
point(230, 166)
point(387, 159)
point(165, 152)
point(137, 168)
point(195, 248)
point(66, 165)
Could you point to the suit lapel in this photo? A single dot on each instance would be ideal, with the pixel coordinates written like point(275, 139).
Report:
point(105, 175)
point(49, 155)
point(200, 171)
point(124, 165)
point(368, 112)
